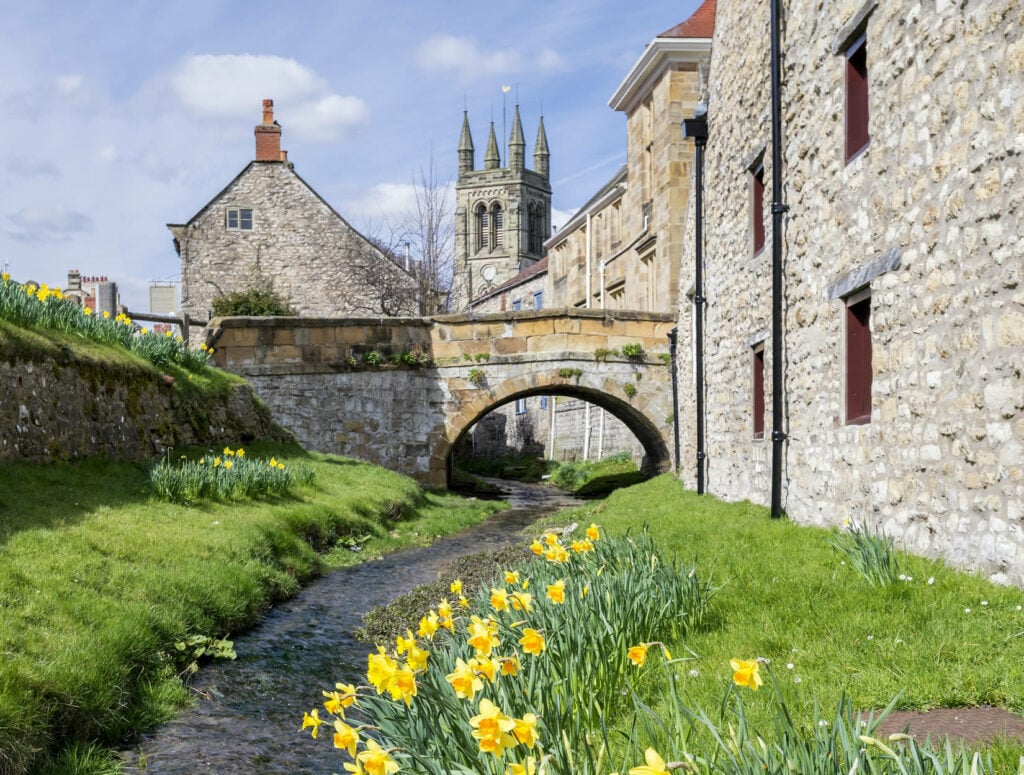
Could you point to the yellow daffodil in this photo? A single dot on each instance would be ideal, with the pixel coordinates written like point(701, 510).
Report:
point(216, 462)
point(532, 642)
point(481, 637)
point(345, 737)
point(556, 592)
point(638, 654)
point(492, 727)
point(746, 673)
point(499, 599)
point(522, 601)
point(417, 658)
point(273, 462)
point(380, 669)
point(456, 587)
point(444, 610)
point(486, 667)
point(557, 553)
point(404, 644)
point(280, 466)
point(528, 767)
point(655, 765)
point(509, 665)
point(463, 601)
point(584, 592)
point(551, 539)
point(312, 720)
point(525, 730)
point(464, 680)
point(240, 452)
point(511, 577)
point(106, 315)
point(402, 685)
point(428, 625)
point(6, 277)
point(375, 760)
point(228, 464)
point(168, 334)
point(228, 452)
point(143, 331)
point(537, 548)
point(86, 311)
point(341, 698)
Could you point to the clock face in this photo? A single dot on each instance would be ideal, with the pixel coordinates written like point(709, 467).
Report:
point(488, 272)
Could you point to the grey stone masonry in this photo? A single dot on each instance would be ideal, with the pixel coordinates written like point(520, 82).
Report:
point(926, 222)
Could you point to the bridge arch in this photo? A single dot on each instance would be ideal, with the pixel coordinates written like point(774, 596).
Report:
point(602, 390)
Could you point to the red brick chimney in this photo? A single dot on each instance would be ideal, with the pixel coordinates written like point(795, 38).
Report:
point(268, 135)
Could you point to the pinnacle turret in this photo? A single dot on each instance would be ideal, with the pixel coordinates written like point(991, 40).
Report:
point(541, 155)
point(492, 160)
point(465, 146)
point(516, 143)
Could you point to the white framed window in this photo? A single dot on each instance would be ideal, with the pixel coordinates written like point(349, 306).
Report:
point(520, 406)
point(239, 219)
point(538, 299)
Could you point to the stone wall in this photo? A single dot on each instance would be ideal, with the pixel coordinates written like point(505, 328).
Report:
point(315, 260)
point(928, 220)
point(62, 408)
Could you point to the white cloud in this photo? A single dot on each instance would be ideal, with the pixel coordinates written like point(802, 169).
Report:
point(108, 153)
point(234, 85)
point(23, 167)
point(450, 53)
point(69, 84)
point(384, 200)
point(549, 59)
point(47, 224)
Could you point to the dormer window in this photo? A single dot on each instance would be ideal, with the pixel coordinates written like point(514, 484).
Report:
point(239, 219)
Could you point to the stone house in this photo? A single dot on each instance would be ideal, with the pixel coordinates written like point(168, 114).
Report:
point(268, 226)
point(902, 305)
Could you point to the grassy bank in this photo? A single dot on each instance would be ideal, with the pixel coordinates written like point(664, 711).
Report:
point(935, 638)
point(99, 580)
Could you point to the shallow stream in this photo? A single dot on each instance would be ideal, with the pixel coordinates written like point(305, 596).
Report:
point(249, 710)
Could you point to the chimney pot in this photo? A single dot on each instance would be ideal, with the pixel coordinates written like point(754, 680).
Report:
point(268, 111)
point(284, 155)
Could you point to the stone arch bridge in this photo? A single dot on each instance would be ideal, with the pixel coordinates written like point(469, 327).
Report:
point(401, 392)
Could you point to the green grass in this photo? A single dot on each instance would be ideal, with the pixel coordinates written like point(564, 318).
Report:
point(598, 477)
point(936, 638)
point(99, 579)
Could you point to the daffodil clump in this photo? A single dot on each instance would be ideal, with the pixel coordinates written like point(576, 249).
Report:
point(230, 475)
point(519, 677)
point(39, 306)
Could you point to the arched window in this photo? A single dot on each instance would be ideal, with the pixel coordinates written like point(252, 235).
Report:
point(498, 221)
point(482, 235)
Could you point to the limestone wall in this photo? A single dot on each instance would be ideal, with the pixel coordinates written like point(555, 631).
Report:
point(59, 408)
point(929, 219)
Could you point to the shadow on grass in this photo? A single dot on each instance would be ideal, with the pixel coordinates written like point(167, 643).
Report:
point(46, 495)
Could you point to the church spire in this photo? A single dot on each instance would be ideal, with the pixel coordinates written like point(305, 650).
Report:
point(516, 143)
point(541, 155)
point(491, 159)
point(465, 146)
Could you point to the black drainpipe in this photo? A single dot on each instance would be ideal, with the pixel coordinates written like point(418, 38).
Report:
point(672, 337)
point(778, 210)
point(697, 128)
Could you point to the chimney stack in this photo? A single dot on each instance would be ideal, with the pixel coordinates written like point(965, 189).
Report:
point(268, 135)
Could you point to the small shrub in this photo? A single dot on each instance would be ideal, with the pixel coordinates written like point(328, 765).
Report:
point(257, 301)
point(634, 351)
point(570, 373)
point(629, 389)
point(482, 357)
point(665, 358)
point(372, 358)
point(603, 353)
point(477, 377)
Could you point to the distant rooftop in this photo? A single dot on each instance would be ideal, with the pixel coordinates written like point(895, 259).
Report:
point(700, 25)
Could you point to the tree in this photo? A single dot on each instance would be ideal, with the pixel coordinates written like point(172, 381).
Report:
point(429, 234)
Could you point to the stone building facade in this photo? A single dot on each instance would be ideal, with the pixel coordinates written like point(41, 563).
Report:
point(502, 215)
point(903, 310)
point(621, 249)
point(268, 226)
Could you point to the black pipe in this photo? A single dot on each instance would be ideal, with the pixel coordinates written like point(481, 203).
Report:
point(778, 210)
point(672, 336)
point(697, 128)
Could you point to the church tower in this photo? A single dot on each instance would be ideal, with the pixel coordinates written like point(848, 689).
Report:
point(503, 214)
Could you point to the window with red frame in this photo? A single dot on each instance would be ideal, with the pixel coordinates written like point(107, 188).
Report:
point(757, 207)
point(758, 391)
point(858, 359)
point(857, 137)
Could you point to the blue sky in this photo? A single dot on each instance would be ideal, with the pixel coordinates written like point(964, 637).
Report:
point(120, 117)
